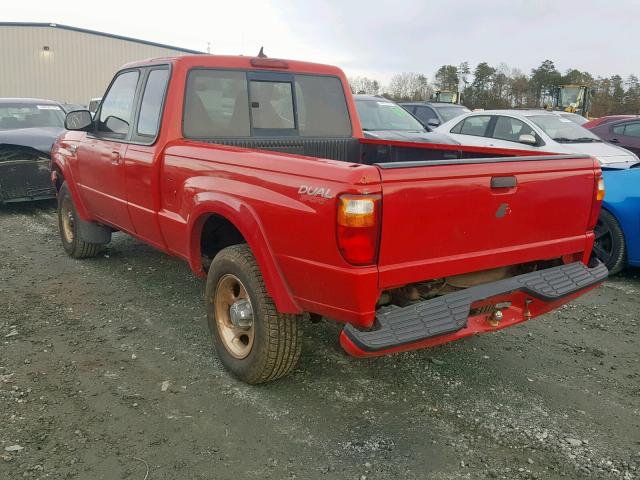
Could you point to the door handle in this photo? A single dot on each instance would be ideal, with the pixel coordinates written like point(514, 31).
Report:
point(503, 182)
point(614, 140)
point(115, 157)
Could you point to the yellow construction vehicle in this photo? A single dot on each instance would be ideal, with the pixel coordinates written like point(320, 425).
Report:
point(573, 99)
point(446, 96)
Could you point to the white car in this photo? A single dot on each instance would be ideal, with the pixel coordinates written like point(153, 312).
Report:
point(537, 130)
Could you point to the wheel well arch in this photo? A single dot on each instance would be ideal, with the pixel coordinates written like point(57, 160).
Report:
point(58, 176)
point(213, 230)
point(216, 233)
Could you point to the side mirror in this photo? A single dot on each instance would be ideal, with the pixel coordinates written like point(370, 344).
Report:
point(78, 120)
point(527, 139)
point(433, 122)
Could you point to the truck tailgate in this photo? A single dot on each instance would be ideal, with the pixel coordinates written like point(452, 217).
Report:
point(445, 218)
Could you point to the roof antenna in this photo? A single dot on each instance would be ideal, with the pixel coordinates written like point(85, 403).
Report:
point(261, 53)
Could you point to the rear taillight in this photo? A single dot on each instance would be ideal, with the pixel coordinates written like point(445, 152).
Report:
point(600, 189)
point(358, 230)
point(597, 202)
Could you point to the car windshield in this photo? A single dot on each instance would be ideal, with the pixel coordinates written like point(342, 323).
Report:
point(563, 130)
point(385, 115)
point(447, 113)
point(21, 115)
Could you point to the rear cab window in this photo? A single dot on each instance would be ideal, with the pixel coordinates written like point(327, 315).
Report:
point(223, 103)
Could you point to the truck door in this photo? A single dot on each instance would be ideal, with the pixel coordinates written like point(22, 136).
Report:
point(143, 155)
point(101, 154)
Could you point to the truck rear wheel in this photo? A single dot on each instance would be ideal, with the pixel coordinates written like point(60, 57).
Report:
point(253, 340)
point(69, 228)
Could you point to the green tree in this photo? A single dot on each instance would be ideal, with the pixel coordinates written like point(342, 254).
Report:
point(544, 80)
point(446, 78)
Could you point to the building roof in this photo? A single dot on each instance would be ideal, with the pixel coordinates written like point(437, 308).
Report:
point(95, 32)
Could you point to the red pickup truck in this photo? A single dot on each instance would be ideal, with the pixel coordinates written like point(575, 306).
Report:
point(256, 172)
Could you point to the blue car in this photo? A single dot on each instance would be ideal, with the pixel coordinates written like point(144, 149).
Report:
point(618, 230)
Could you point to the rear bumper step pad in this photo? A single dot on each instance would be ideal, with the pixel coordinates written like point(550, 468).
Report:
point(449, 313)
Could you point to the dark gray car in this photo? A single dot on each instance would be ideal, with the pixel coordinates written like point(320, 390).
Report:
point(384, 119)
point(28, 129)
point(434, 114)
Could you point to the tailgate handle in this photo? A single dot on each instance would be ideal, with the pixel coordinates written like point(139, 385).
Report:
point(503, 182)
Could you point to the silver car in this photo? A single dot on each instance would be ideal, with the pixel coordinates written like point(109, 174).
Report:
point(536, 130)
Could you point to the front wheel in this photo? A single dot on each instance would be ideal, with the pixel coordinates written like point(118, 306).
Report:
point(609, 244)
point(68, 224)
point(253, 340)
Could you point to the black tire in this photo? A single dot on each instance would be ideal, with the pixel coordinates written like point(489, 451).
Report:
point(609, 246)
point(276, 338)
point(68, 227)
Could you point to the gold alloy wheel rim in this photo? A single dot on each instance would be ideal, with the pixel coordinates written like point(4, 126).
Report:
point(237, 339)
point(68, 220)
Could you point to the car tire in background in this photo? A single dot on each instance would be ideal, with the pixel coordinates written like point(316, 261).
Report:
point(69, 228)
point(254, 342)
point(609, 244)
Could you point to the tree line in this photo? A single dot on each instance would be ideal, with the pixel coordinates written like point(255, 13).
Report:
point(491, 87)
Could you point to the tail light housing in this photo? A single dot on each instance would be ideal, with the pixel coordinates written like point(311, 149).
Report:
point(597, 201)
point(358, 228)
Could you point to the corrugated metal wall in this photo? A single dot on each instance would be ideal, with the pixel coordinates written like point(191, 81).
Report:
point(77, 66)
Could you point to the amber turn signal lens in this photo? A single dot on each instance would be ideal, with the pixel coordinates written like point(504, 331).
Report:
point(357, 211)
point(600, 194)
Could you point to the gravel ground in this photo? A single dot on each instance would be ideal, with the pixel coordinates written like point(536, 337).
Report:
point(106, 372)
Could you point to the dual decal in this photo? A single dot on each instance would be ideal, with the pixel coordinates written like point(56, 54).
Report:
point(315, 191)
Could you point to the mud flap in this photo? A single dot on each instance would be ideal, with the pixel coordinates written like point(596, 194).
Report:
point(93, 233)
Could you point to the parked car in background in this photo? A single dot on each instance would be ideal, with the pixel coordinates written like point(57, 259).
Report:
point(94, 103)
point(382, 118)
point(28, 128)
point(538, 130)
point(617, 233)
point(70, 107)
point(624, 133)
point(607, 119)
point(434, 114)
point(618, 230)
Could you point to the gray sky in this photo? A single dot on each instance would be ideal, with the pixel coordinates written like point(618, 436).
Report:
point(375, 38)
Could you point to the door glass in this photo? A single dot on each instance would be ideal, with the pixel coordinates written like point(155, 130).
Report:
point(117, 106)
point(632, 129)
point(618, 129)
point(271, 105)
point(476, 126)
point(149, 118)
point(510, 129)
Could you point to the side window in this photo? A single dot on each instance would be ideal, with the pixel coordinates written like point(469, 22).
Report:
point(216, 104)
point(510, 129)
point(457, 128)
point(151, 106)
point(632, 129)
point(117, 107)
point(476, 126)
point(425, 114)
point(618, 129)
point(271, 105)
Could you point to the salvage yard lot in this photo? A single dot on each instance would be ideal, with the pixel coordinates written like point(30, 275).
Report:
point(106, 368)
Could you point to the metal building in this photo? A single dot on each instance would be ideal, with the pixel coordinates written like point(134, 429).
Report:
point(66, 64)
